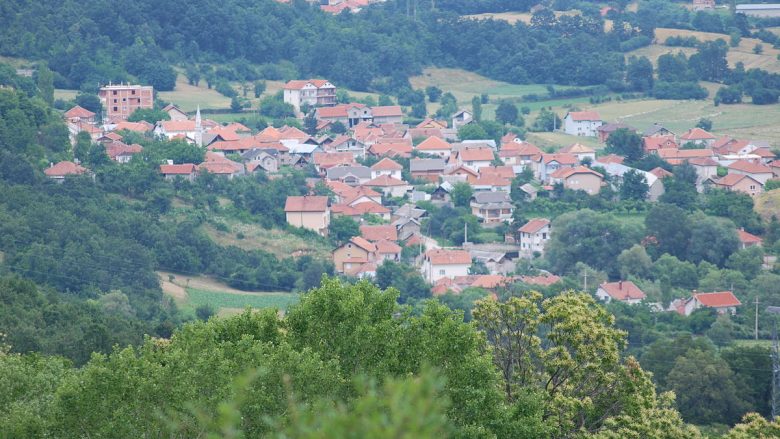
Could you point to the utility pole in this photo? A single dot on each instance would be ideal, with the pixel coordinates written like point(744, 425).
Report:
point(585, 283)
point(465, 233)
point(756, 329)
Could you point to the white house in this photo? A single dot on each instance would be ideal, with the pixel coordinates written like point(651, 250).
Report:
point(312, 92)
point(623, 291)
point(441, 263)
point(723, 302)
point(387, 167)
point(534, 236)
point(474, 158)
point(582, 123)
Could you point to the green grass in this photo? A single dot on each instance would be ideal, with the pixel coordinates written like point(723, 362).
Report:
point(220, 300)
point(65, 94)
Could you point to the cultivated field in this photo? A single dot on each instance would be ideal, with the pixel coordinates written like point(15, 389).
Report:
point(189, 292)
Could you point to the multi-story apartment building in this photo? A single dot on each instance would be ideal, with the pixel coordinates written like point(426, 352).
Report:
point(313, 92)
point(121, 100)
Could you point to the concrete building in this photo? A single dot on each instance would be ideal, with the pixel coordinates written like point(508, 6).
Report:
point(582, 123)
point(308, 212)
point(120, 101)
point(441, 263)
point(312, 92)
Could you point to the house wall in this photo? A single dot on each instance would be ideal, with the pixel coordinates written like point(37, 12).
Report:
point(581, 128)
point(749, 187)
point(586, 182)
point(534, 242)
point(345, 252)
point(656, 190)
point(432, 272)
point(316, 221)
point(395, 174)
point(762, 177)
point(121, 101)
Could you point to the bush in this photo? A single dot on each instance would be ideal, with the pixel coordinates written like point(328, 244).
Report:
point(764, 96)
point(679, 90)
point(224, 88)
point(635, 43)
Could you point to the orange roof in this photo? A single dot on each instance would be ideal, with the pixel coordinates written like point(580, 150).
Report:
point(299, 84)
point(611, 158)
point(118, 148)
point(387, 247)
point(490, 281)
point(64, 168)
point(562, 158)
point(79, 112)
point(476, 154)
point(379, 232)
point(659, 142)
point(750, 167)
point(139, 127)
point(224, 166)
point(433, 143)
point(577, 148)
point(182, 169)
point(385, 181)
point(306, 204)
point(432, 123)
point(336, 111)
point(661, 172)
point(387, 111)
point(370, 207)
point(112, 136)
point(362, 243)
point(622, 290)
point(702, 161)
point(534, 225)
point(498, 171)
point(541, 280)
point(387, 165)
point(564, 173)
point(331, 159)
point(491, 180)
point(177, 125)
point(732, 179)
point(765, 153)
point(584, 116)
point(697, 134)
point(448, 257)
point(748, 238)
point(673, 153)
point(717, 300)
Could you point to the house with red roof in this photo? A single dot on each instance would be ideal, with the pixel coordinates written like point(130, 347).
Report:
point(706, 169)
point(757, 170)
point(382, 232)
point(137, 127)
point(546, 164)
point(492, 207)
point(676, 156)
point(739, 183)
point(312, 92)
point(582, 123)
point(435, 146)
point(444, 263)
point(580, 151)
point(387, 114)
point(747, 239)
point(326, 160)
point(389, 186)
point(171, 129)
point(398, 150)
point(185, 171)
point(542, 280)
point(518, 153)
point(218, 164)
point(653, 143)
point(122, 153)
point(59, 171)
point(534, 236)
point(308, 212)
point(722, 302)
point(607, 129)
point(353, 254)
point(580, 178)
point(80, 115)
point(474, 158)
point(698, 137)
point(386, 167)
point(622, 291)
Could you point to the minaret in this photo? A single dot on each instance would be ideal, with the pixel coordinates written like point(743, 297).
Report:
point(198, 128)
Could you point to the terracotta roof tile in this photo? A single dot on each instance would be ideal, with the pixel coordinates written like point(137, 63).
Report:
point(64, 168)
point(622, 290)
point(534, 225)
point(433, 143)
point(717, 300)
point(379, 232)
point(306, 204)
point(584, 116)
point(448, 257)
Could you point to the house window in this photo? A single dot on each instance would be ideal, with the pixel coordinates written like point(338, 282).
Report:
point(114, 93)
point(132, 92)
point(753, 187)
point(544, 236)
point(441, 272)
point(116, 109)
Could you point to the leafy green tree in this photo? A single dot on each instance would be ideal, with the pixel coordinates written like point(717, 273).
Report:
point(404, 278)
point(472, 131)
point(704, 124)
point(90, 102)
point(476, 108)
point(747, 261)
point(342, 228)
point(151, 115)
point(680, 189)
point(433, 92)
point(259, 88)
point(546, 121)
point(626, 143)
point(639, 73)
point(45, 82)
point(712, 239)
point(506, 112)
point(754, 425)
point(461, 194)
point(729, 95)
point(635, 262)
point(633, 186)
point(338, 128)
point(709, 63)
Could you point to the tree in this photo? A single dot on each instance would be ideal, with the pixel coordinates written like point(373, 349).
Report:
point(472, 131)
point(476, 108)
point(193, 74)
point(712, 239)
point(546, 121)
point(635, 262)
point(433, 92)
point(670, 229)
point(758, 49)
point(151, 115)
point(680, 189)
point(705, 387)
point(626, 143)
point(90, 102)
point(704, 124)
point(729, 95)
point(639, 73)
point(419, 110)
point(310, 123)
point(506, 112)
point(338, 128)
point(752, 426)
point(633, 186)
point(461, 194)
point(204, 312)
point(709, 63)
point(342, 228)
point(45, 82)
point(235, 104)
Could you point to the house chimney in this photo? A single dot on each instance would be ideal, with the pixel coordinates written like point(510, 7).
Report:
point(620, 285)
point(51, 164)
point(170, 162)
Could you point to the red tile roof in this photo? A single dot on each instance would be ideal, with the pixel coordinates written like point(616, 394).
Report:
point(611, 158)
point(577, 148)
point(387, 111)
point(491, 180)
point(498, 171)
point(385, 181)
point(387, 165)
point(79, 112)
point(331, 159)
point(748, 238)
point(541, 280)
point(564, 173)
point(300, 83)
point(702, 161)
point(64, 168)
point(182, 169)
point(749, 167)
point(476, 154)
point(138, 127)
point(717, 300)
point(448, 257)
point(379, 232)
point(115, 149)
point(659, 142)
point(433, 143)
point(697, 134)
point(387, 247)
point(661, 172)
point(177, 125)
point(732, 179)
point(622, 290)
point(363, 243)
point(490, 281)
point(584, 116)
point(562, 158)
point(534, 225)
point(306, 204)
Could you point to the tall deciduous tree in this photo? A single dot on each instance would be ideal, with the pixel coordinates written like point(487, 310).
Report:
point(626, 143)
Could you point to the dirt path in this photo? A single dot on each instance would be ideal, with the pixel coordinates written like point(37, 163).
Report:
point(182, 282)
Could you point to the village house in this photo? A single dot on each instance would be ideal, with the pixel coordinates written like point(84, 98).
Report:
point(607, 129)
point(217, 164)
point(122, 153)
point(443, 263)
point(261, 160)
point(350, 175)
point(698, 137)
point(580, 151)
point(474, 158)
point(543, 280)
point(582, 123)
point(137, 127)
point(722, 302)
point(534, 236)
point(177, 128)
point(353, 254)
point(739, 183)
point(389, 186)
point(396, 149)
point(312, 92)
point(622, 291)
point(389, 114)
point(657, 130)
point(406, 227)
point(386, 167)
point(380, 232)
point(518, 153)
point(706, 169)
point(432, 123)
point(352, 115)
point(747, 240)
point(546, 164)
point(492, 207)
point(309, 212)
point(79, 115)
point(491, 183)
point(186, 171)
point(653, 143)
point(427, 169)
point(121, 100)
point(676, 156)
point(655, 185)
point(461, 118)
point(326, 160)
point(758, 171)
point(578, 179)
point(435, 146)
point(387, 251)
point(63, 169)
point(175, 113)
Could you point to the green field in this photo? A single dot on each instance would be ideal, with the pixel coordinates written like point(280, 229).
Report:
point(220, 300)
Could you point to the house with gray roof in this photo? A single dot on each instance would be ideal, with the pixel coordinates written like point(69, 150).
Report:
point(492, 207)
